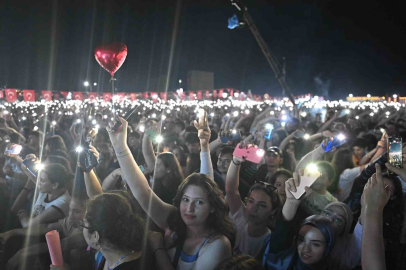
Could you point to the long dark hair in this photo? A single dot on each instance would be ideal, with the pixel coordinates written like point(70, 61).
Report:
point(342, 160)
point(175, 175)
point(218, 222)
point(111, 215)
point(56, 142)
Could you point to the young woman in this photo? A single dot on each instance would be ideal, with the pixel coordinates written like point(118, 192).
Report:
point(167, 177)
point(111, 227)
point(252, 219)
point(198, 216)
point(278, 180)
point(312, 247)
point(53, 199)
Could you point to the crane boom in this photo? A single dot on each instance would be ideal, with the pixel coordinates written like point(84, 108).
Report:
point(280, 76)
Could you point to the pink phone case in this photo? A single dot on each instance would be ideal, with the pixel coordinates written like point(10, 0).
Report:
point(305, 181)
point(250, 153)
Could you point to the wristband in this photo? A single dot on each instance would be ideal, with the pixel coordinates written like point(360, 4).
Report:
point(123, 153)
point(237, 164)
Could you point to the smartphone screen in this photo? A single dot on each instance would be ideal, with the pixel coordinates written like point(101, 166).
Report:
point(395, 151)
point(203, 119)
point(310, 176)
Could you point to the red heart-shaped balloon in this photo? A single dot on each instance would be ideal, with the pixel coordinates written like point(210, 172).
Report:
point(111, 57)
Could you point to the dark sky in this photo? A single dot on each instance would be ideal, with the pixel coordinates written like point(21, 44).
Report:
point(336, 46)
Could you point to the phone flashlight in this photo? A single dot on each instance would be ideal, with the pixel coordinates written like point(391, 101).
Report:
point(341, 137)
point(312, 168)
point(260, 152)
point(306, 136)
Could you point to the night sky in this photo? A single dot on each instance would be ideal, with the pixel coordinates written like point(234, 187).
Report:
point(331, 47)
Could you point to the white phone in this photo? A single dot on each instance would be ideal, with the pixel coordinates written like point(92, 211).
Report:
point(311, 174)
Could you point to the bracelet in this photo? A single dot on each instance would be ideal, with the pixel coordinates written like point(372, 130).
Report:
point(161, 248)
point(123, 153)
point(120, 152)
point(237, 164)
point(27, 189)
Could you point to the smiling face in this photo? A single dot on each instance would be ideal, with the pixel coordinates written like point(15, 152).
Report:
point(195, 206)
point(259, 207)
point(311, 245)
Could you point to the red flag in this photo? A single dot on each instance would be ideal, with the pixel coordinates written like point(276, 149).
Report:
point(133, 96)
point(11, 95)
point(77, 95)
point(207, 94)
point(182, 96)
point(199, 95)
point(145, 95)
point(215, 93)
point(92, 95)
point(154, 96)
point(221, 91)
point(119, 96)
point(163, 96)
point(29, 95)
point(47, 95)
point(1, 94)
point(107, 97)
point(231, 92)
point(191, 95)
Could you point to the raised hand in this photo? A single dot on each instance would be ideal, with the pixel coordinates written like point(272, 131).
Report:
point(291, 186)
point(118, 138)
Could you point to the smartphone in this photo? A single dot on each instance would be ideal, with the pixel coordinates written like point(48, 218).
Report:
point(117, 124)
point(335, 141)
point(311, 174)
point(249, 152)
point(268, 132)
point(14, 149)
point(203, 119)
point(29, 163)
point(395, 151)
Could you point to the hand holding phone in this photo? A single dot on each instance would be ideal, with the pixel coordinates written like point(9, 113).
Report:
point(395, 155)
point(13, 149)
point(297, 186)
point(249, 152)
point(117, 124)
point(334, 142)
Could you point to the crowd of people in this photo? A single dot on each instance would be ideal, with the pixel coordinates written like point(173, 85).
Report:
point(163, 187)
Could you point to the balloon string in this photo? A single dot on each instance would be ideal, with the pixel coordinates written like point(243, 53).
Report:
point(112, 91)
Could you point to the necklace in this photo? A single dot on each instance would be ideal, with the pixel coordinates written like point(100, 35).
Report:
point(117, 263)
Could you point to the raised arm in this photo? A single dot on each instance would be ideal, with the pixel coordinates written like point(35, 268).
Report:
point(93, 187)
point(232, 182)
point(292, 204)
point(368, 157)
point(315, 155)
point(327, 124)
point(149, 201)
point(375, 197)
point(148, 152)
point(110, 181)
point(206, 167)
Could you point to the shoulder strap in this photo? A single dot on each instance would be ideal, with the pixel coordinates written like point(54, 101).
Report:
point(178, 251)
